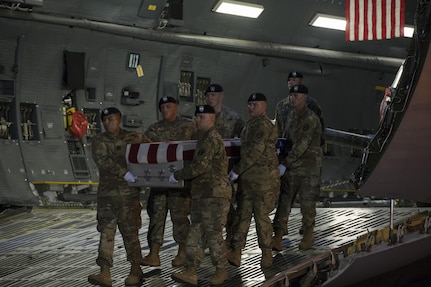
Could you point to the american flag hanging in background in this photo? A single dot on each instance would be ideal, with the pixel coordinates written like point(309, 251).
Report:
point(374, 19)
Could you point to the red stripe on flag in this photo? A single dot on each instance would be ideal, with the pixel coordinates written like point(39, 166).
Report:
point(133, 153)
point(152, 153)
point(188, 154)
point(374, 19)
point(171, 153)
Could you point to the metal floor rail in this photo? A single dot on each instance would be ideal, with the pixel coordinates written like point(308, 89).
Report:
point(58, 247)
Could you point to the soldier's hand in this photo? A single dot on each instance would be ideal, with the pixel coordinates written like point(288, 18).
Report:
point(233, 176)
point(129, 177)
point(282, 169)
point(172, 179)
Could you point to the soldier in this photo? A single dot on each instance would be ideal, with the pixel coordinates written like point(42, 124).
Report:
point(304, 161)
point(229, 124)
point(211, 193)
point(117, 203)
point(258, 183)
point(171, 128)
point(282, 111)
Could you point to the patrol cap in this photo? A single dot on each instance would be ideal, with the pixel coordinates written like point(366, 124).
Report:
point(164, 100)
point(257, 97)
point(295, 74)
point(109, 111)
point(214, 88)
point(204, 109)
point(301, 89)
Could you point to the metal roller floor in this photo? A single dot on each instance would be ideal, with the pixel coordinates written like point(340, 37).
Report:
point(58, 247)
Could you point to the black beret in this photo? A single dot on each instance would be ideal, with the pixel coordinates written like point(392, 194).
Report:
point(214, 88)
point(295, 74)
point(301, 89)
point(109, 111)
point(164, 100)
point(204, 109)
point(257, 97)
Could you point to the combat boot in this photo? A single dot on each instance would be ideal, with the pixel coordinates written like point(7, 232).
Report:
point(219, 277)
point(266, 258)
point(188, 276)
point(180, 259)
point(103, 278)
point(307, 239)
point(152, 259)
point(277, 241)
point(136, 277)
point(234, 257)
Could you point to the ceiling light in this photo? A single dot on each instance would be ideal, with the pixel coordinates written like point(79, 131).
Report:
point(238, 8)
point(328, 21)
point(339, 23)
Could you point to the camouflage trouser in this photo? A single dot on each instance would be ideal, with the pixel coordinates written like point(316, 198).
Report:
point(232, 217)
point(284, 205)
point(260, 207)
point(124, 211)
point(208, 217)
point(177, 201)
point(304, 182)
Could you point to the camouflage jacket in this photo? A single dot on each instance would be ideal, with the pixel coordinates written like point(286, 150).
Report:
point(180, 129)
point(228, 123)
point(304, 130)
point(109, 154)
point(284, 108)
point(208, 169)
point(257, 167)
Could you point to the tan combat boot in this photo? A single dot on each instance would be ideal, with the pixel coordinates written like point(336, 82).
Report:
point(180, 259)
point(219, 277)
point(136, 277)
point(188, 276)
point(152, 259)
point(277, 241)
point(103, 278)
point(266, 258)
point(308, 238)
point(234, 257)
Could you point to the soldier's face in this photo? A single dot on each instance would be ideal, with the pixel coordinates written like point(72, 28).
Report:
point(298, 100)
point(204, 121)
point(112, 123)
point(214, 99)
point(256, 108)
point(169, 111)
point(294, 81)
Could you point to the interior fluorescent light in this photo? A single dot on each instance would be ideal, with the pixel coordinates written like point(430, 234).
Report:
point(339, 23)
point(328, 21)
point(238, 8)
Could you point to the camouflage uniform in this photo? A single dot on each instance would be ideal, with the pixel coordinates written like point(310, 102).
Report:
point(163, 199)
point(283, 110)
point(228, 123)
point(304, 165)
point(211, 193)
point(117, 203)
point(258, 183)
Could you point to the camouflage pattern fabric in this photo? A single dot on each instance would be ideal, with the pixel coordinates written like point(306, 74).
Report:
point(208, 217)
point(177, 201)
point(117, 203)
point(304, 165)
point(258, 183)
point(208, 169)
point(283, 110)
point(180, 129)
point(228, 123)
point(211, 193)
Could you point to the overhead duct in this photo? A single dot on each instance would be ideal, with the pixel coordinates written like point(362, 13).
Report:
point(367, 62)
